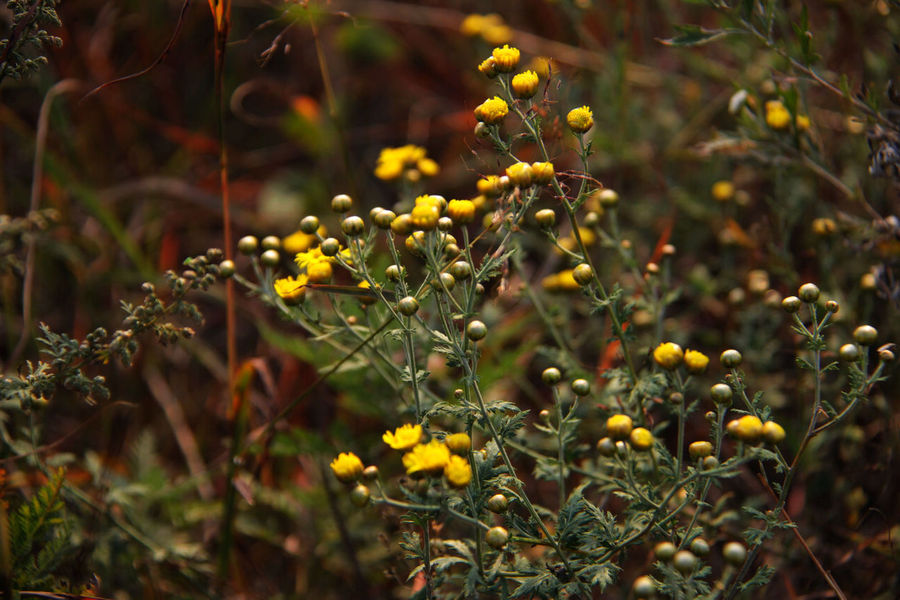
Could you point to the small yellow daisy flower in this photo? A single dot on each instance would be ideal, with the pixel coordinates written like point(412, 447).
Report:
point(506, 58)
point(525, 84)
point(347, 467)
point(459, 443)
point(404, 437)
point(461, 211)
point(668, 355)
point(580, 119)
point(777, 116)
point(722, 191)
point(430, 458)
point(458, 472)
point(291, 289)
point(492, 111)
point(695, 361)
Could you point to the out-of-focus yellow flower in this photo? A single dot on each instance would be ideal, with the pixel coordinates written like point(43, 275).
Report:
point(497, 34)
point(695, 361)
point(461, 211)
point(668, 355)
point(347, 467)
point(430, 458)
point(472, 25)
point(319, 272)
point(311, 256)
point(488, 67)
point(492, 110)
point(408, 160)
point(542, 172)
point(404, 437)
point(723, 191)
point(525, 84)
point(458, 472)
point(459, 443)
point(300, 242)
point(824, 227)
point(803, 122)
point(506, 58)
point(490, 186)
point(490, 27)
point(519, 173)
point(291, 289)
point(777, 116)
point(580, 119)
point(564, 281)
point(543, 65)
point(588, 237)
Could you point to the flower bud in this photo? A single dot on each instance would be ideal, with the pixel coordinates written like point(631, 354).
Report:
point(551, 376)
point(309, 224)
point(865, 335)
point(341, 203)
point(808, 292)
point(731, 359)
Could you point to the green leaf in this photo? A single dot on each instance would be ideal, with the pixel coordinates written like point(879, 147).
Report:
point(694, 35)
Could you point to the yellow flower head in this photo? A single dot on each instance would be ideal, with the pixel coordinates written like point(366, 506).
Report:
point(459, 443)
point(668, 355)
point(492, 110)
point(404, 437)
point(461, 211)
point(824, 226)
point(490, 186)
point(409, 160)
point(520, 174)
point(723, 191)
point(425, 216)
point(525, 84)
point(695, 361)
point(641, 439)
point(430, 458)
point(505, 58)
point(428, 167)
point(777, 116)
point(747, 429)
point(319, 272)
point(311, 256)
point(619, 427)
point(472, 25)
point(300, 242)
point(542, 172)
point(580, 119)
point(458, 472)
point(803, 122)
point(291, 290)
point(347, 467)
point(564, 281)
point(496, 34)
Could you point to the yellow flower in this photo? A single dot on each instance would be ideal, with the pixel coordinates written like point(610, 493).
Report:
point(490, 186)
point(542, 172)
point(747, 429)
point(300, 242)
point(410, 160)
point(472, 25)
point(505, 58)
point(404, 437)
point(580, 119)
point(492, 111)
point(641, 439)
point(497, 34)
point(668, 355)
point(564, 281)
point(428, 167)
point(723, 191)
point(291, 290)
point(519, 173)
point(824, 226)
point(619, 427)
point(425, 216)
point(311, 256)
point(347, 467)
point(525, 84)
point(427, 458)
point(459, 443)
point(488, 67)
point(772, 432)
point(458, 472)
point(461, 211)
point(319, 272)
point(777, 116)
point(803, 122)
point(696, 362)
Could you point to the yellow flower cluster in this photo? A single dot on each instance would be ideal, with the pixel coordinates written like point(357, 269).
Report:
point(408, 161)
point(779, 117)
point(491, 28)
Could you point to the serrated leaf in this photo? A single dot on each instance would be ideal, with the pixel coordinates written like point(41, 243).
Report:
point(695, 35)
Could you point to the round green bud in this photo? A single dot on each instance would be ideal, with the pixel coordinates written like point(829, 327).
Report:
point(479, 289)
point(700, 449)
point(448, 281)
point(226, 269)
point(545, 217)
point(551, 376)
point(608, 198)
point(676, 398)
point(583, 274)
point(451, 250)
point(330, 246)
point(461, 270)
point(341, 203)
point(496, 537)
point(731, 358)
point(270, 242)
point(408, 306)
point(685, 561)
point(734, 553)
point(886, 355)
point(370, 473)
point(544, 415)
point(721, 393)
point(808, 292)
point(497, 503)
point(865, 335)
point(384, 218)
point(309, 224)
point(710, 462)
point(710, 416)
point(270, 258)
point(445, 223)
point(392, 272)
point(581, 387)
point(482, 130)
point(359, 496)
point(832, 306)
point(849, 352)
point(248, 244)
point(476, 330)
point(791, 304)
point(665, 551)
point(699, 546)
point(592, 219)
point(606, 446)
point(353, 226)
point(643, 587)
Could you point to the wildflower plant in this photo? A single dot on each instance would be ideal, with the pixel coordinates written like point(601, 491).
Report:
point(641, 485)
